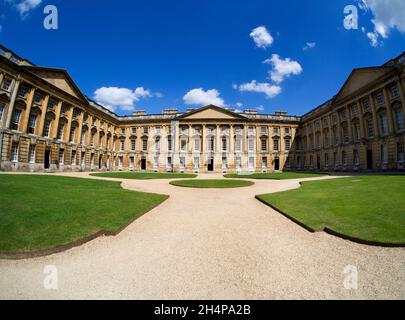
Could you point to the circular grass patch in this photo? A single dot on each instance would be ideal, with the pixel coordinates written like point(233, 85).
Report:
point(143, 175)
point(220, 184)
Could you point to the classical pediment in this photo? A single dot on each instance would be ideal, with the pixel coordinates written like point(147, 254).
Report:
point(59, 78)
point(360, 78)
point(211, 112)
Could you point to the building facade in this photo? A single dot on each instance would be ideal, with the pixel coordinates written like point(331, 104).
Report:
point(47, 124)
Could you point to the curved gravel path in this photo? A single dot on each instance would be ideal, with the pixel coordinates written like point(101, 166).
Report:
point(211, 244)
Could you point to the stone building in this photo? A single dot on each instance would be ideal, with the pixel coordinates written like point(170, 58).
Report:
point(48, 124)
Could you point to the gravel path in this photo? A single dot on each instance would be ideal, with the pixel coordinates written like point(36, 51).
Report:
point(211, 244)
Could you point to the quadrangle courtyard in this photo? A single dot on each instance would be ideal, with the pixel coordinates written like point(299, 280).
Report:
point(214, 243)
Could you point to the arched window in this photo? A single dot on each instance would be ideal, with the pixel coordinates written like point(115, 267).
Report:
point(47, 127)
point(61, 130)
point(72, 134)
point(32, 123)
point(15, 123)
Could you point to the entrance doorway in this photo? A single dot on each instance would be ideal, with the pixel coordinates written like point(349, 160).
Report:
point(369, 159)
point(143, 164)
point(277, 164)
point(211, 165)
point(47, 159)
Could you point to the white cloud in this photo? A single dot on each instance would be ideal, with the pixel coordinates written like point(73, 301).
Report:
point(282, 68)
point(373, 37)
point(388, 15)
point(309, 45)
point(141, 92)
point(202, 98)
point(268, 89)
point(262, 37)
point(260, 108)
point(239, 104)
point(115, 98)
point(24, 7)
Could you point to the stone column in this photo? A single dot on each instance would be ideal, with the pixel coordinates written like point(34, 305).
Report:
point(69, 116)
point(1, 78)
point(375, 119)
point(42, 118)
point(391, 127)
point(190, 140)
point(361, 119)
point(203, 140)
point(218, 147)
point(349, 125)
point(26, 115)
point(401, 88)
point(231, 139)
point(10, 108)
point(55, 125)
point(80, 128)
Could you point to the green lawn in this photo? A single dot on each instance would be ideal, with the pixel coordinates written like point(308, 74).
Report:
point(367, 207)
point(274, 175)
point(43, 212)
point(212, 183)
point(143, 175)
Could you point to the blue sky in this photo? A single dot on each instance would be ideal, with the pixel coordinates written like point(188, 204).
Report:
point(160, 54)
